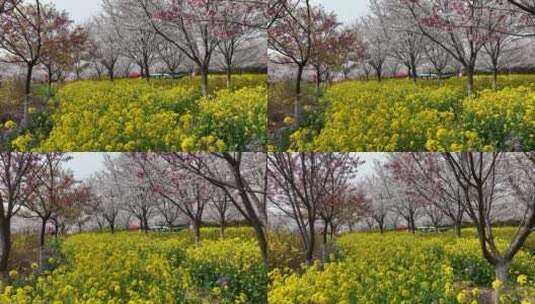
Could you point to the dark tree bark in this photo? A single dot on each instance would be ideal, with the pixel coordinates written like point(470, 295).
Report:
point(5, 245)
point(42, 234)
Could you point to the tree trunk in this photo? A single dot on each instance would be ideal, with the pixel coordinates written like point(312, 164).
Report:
point(502, 274)
point(56, 228)
point(27, 95)
point(325, 231)
point(222, 228)
point(318, 81)
point(470, 80)
point(495, 78)
point(411, 224)
point(262, 243)
point(147, 70)
point(204, 80)
point(414, 71)
point(502, 271)
point(333, 230)
point(141, 70)
point(298, 108)
point(112, 227)
point(42, 234)
point(195, 227)
point(229, 77)
point(457, 227)
point(146, 224)
point(50, 83)
point(5, 244)
point(309, 250)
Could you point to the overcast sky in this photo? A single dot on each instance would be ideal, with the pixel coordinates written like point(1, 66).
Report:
point(80, 10)
point(347, 10)
point(84, 165)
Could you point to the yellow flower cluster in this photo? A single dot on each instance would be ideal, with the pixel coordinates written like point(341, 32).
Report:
point(134, 115)
point(397, 115)
point(137, 268)
point(230, 120)
point(403, 268)
point(373, 269)
point(231, 268)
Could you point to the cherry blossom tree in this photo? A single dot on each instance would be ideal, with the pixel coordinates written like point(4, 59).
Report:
point(72, 209)
point(8, 5)
point(21, 39)
point(525, 5)
point(109, 193)
point(221, 210)
point(468, 25)
point(343, 204)
point(377, 44)
point(81, 56)
point(502, 48)
point(235, 32)
point(352, 53)
point(290, 41)
point(432, 185)
point(16, 186)
point(189, 193)
point(106, 49)
point(172, 59)
point(300, 183)
point(241, 176)
point(60, 46)
point(331, 46)
point(379, 197)
point(138, 41)
point(438, 57)
point(135, 171)
point(194, 27)
point(52, 185)
point(406, 45)
point(485, 179)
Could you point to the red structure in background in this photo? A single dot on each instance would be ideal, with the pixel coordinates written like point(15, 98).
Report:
point(133, 226)
point(402, 74)
point(134, 75)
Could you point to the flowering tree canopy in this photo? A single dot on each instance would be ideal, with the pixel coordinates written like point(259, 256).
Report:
point(469, 26)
